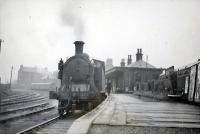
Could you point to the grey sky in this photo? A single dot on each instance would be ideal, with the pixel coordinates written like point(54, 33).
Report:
point(40, 32)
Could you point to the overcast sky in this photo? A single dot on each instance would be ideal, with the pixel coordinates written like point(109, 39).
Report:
point(40, 32)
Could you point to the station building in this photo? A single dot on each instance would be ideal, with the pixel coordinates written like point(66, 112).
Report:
point(133, 76)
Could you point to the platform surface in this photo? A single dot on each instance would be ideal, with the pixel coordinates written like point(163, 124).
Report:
point(127, 111)
point(124, 109)
point(127, 114)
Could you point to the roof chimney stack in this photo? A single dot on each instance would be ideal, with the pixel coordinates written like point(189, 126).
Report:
point(122, 63)
point(129, 61)
point(139, 54)
point(79, 47)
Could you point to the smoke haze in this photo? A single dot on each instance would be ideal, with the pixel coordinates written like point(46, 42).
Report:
point(71, 16)
point(40, 32)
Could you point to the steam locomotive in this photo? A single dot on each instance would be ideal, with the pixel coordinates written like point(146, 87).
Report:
point(82, 82)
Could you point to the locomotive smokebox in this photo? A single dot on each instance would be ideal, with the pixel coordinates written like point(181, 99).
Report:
point(79, 47)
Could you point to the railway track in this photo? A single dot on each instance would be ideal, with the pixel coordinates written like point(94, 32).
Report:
point(13, 95)
point(16, 96)
point(18, 105)
point(24, 112)
point(54, 125)
point(35, 128)
point(23, 104)
point(29, 98)
point(46, 121)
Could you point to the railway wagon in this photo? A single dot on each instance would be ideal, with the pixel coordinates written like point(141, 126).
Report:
point(186, 83)
point(193, 83)
point(82, 82)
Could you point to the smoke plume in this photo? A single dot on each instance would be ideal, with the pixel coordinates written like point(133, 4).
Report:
point(72, 17)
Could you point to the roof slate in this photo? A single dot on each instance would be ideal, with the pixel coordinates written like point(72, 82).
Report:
point(141, 64)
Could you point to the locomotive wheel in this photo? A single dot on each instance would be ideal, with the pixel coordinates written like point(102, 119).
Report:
point(61, 112)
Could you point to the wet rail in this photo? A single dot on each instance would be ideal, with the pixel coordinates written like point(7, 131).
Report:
point(39, 126)
point(23, 104)
point(54, 125)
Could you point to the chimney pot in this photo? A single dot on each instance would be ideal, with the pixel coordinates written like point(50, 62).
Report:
point(139, 55)
point(129, 61)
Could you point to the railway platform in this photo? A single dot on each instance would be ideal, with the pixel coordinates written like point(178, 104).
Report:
point(127, 114)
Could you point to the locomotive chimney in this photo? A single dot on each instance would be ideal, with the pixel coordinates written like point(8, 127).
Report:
point(79, 47)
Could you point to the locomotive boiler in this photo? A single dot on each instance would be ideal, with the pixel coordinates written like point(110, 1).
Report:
point(82, 82)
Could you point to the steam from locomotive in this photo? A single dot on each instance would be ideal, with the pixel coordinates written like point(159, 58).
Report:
point(71, 16)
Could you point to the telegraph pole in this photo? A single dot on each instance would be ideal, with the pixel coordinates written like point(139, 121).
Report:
point(11, 76)
point(1, 44)
point(146, 68)
point(0, 77)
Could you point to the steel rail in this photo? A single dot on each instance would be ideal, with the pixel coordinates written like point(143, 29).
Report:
point(31, 129)
point(19, 98)
point(23, 108)
point(24, 100)
point(26, 114)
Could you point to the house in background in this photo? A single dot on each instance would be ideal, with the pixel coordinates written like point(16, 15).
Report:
point(29, 77)
point(132, 76)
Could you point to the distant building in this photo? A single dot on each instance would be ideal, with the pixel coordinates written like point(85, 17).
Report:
point(109, 64)
point(31, 75)
point(133, 75)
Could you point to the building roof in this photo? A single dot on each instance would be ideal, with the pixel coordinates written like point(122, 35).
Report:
point(188, 65)
point(141, 64)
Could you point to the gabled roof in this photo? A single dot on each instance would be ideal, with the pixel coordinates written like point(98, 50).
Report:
point(141, 64)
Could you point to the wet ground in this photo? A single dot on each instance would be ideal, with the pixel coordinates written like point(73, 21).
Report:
point(129, 114)
point(16, 125)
